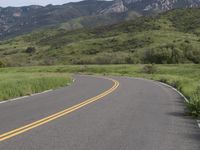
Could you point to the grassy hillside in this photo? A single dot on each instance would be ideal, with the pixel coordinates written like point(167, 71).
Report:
point(172, 37)
point(183, 77)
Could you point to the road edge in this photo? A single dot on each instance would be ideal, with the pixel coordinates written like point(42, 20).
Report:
point(180, 93)
point(171, 87)
point(26, 96)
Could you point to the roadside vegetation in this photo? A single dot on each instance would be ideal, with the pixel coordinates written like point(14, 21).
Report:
point(17, 84)
point(184, 77)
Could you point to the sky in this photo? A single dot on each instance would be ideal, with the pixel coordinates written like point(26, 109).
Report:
point(5, 3)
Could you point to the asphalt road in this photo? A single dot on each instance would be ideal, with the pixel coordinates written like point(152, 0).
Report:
point(138, 115)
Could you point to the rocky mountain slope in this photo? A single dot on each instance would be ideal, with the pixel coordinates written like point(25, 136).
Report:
point(18, 20)
point(160, 5)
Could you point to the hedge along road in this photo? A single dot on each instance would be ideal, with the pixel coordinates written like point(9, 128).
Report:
point(100, 113)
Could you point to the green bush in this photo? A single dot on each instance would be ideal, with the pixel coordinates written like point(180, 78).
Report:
point(91, 51)
point(191, 53)
point(2, 64)
point(168, 54)
point(30, 50)
point(149, 69)
point(104, 58)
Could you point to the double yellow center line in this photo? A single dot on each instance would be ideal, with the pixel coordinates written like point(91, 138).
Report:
point(45, 120)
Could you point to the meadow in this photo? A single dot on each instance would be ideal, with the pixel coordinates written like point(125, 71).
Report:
point(18, 81)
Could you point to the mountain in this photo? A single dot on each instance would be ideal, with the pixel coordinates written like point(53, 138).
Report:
point(146, 6)
point(18, 20)
point(170, 37)
point(116, 7)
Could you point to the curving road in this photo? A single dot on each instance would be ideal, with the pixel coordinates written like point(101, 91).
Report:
point(99, 114)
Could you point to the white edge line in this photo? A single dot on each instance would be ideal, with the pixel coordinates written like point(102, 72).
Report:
point(181, 94)
point(198, 122)
point(18, 98)
point(165, 84)
point(42, 92)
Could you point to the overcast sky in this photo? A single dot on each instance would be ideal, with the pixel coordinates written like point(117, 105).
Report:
point(5, 3)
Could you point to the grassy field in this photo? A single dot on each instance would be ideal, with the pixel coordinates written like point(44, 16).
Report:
point(21, 83)
point(185, 78)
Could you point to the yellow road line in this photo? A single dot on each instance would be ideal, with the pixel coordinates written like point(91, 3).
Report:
point(45, 120)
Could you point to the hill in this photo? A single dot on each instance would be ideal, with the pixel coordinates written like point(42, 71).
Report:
point(19, 20)
point(171, 37)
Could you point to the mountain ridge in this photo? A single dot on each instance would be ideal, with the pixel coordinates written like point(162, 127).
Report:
point(18, 20)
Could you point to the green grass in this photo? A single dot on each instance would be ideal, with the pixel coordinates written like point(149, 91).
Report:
point(184, 77)
point(20, 83)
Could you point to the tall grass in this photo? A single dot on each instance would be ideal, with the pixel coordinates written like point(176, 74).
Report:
point(194, 103)
point(20, 84)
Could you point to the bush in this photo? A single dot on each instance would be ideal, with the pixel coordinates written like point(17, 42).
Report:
point(168, 54)
point(104, 58)
point(2, 64)
point(130, 60)
point(30, 50)
point(149, 69)
point(191, 53)
point(90, 51)
point(159, 55)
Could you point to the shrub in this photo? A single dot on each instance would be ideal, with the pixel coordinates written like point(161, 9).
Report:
point(159, 55)
point(129, 60)
point(2, 64)
point(149, 69)
point(168, 54)
point(177, 56)
point(30, 50)
point(91, 51)
point(191, 53)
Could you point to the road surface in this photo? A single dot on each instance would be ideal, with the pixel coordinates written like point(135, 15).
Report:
point(99, 114)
